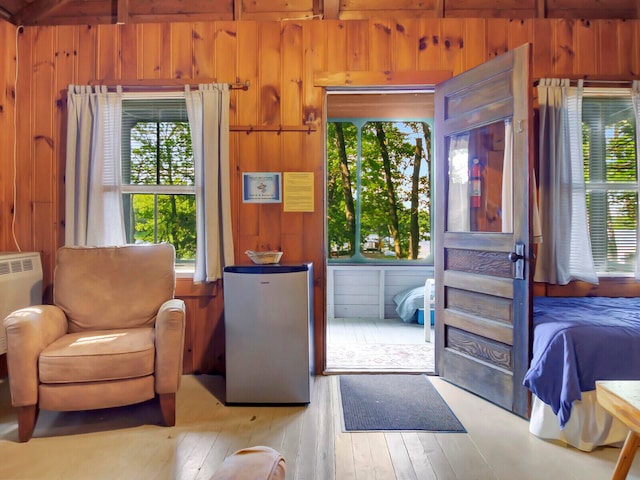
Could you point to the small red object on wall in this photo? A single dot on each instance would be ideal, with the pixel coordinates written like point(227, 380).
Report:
point(475, 177)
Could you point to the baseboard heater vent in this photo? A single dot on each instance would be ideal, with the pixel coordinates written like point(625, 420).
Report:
point(20, 285)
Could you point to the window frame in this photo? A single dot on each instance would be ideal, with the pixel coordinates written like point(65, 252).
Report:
point(605, 187)
point(182, 267)
point(359, 123)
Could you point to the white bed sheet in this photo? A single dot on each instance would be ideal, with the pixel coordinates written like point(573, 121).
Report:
point(589, 426)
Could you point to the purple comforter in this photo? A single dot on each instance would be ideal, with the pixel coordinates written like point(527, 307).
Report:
point(578, 340)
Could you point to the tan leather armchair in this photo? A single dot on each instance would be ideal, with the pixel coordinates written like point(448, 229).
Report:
point(114, 335)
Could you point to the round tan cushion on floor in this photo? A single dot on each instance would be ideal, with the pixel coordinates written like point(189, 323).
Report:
point(253, 463)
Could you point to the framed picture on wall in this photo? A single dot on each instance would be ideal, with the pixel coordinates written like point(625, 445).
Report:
point(261, 187)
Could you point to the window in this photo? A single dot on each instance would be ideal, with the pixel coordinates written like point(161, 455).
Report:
point(611, 177)
point(378, 189)
point(158, 174)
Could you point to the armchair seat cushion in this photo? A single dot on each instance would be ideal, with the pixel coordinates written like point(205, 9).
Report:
point(98, 355)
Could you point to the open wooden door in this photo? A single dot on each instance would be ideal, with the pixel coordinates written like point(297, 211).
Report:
point(482, 267)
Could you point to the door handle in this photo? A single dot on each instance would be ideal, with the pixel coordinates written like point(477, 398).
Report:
point(514, 257)
point(517, 257)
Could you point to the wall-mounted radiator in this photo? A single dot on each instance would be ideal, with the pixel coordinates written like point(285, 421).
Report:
point(20, 286)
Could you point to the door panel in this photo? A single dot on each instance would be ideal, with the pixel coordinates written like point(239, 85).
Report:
point(482, 213)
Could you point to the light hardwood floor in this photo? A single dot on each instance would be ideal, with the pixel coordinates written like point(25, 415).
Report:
point(128, 443)
point(374, 331)
point(360, 334)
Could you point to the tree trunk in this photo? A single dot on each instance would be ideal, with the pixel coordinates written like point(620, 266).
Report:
point(428, 156)
point(394, 226)
point(414, 229)
point(426, 132)
point(349, 208)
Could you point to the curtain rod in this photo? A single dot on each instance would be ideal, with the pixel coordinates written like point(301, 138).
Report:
point(603, 82)
point(248, 129)
point(166, 85)
point(594, 81)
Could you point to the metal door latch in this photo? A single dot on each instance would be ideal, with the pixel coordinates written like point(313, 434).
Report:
point(517, 257)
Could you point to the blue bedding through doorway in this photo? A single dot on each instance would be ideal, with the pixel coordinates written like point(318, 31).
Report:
point(408, 302)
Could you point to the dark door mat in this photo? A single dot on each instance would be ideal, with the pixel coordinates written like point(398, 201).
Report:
point(395, 402)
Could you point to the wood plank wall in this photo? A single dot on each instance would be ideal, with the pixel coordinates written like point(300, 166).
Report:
point(279, 60)
point(6, 130)
point(83, 12)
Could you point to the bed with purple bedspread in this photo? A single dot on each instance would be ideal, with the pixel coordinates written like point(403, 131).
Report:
point(578, 340)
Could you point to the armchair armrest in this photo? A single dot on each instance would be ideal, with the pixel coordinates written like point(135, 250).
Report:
point(169, 338)
point(29, 331)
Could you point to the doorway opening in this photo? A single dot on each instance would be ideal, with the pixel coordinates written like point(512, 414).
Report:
point(379, 222)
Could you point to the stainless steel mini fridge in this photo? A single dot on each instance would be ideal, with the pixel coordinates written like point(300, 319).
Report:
point(268, 333)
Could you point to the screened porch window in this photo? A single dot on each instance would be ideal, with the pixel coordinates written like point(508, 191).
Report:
point(379, 190)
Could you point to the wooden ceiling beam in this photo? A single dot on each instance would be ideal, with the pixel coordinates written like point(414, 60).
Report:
point(4, 13)
point(541, 7)
point(35, 10)
point(122, 12)
point(237, 10)
point(331, 9)
point(439, 9)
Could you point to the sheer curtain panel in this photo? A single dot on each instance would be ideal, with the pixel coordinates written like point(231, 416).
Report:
point(93, 209)
point(208, 110)
point(635, 97)
point(565, 253)
point(507, 178)
point(458, 201)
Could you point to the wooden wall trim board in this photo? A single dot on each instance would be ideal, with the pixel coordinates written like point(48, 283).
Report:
point(380, 79)
point(284, 63)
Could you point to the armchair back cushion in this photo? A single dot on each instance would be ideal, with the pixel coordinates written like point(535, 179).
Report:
point(98, 289)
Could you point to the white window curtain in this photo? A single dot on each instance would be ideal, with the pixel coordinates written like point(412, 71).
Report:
point(635, 97)
point(507, 188)
point(507, 178)
point(458, 210)
point(565, 254)
point(208, 110)
point(93, 209)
